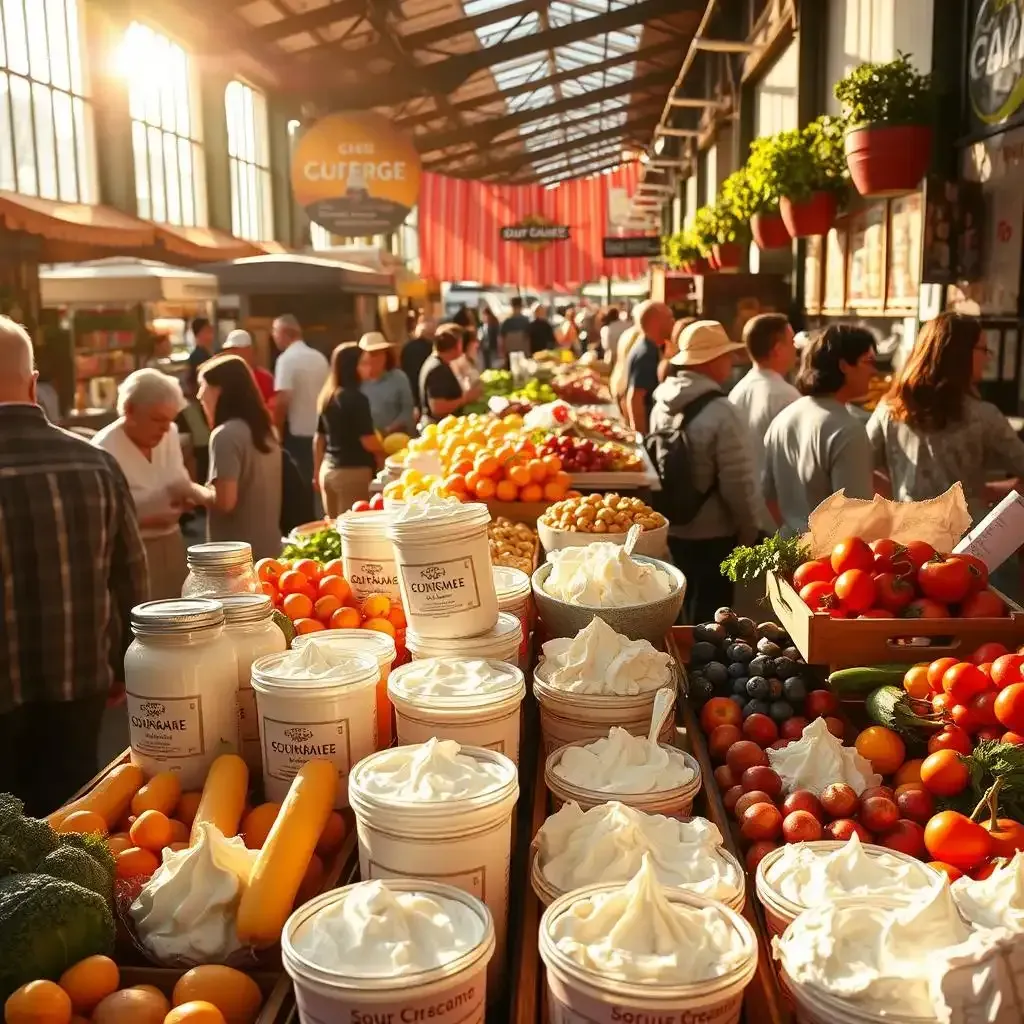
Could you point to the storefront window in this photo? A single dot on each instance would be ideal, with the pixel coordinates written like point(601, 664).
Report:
point(45, 118)
point(170, 183)
point(249, 153)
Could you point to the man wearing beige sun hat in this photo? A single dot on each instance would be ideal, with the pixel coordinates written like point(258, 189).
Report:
point(691, 401)
point(385, 385)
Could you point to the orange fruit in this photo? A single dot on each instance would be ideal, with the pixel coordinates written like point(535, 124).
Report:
point(152, 831)
point(380, 626)
point(119, 841)
point(84, 822)
point(332, 836)
point(553, 491)
point(397, 616)
point(346, 618)
point(882, 747)
point(462, 467)
point(473, 479)
point(455, 483)
point(136, 861)
point(505, 454)
point(141, 1005)
point(89, 981)
point(268, 570)
point(506, 491)
point(519, 475)
point(180, 832)
point(563, 479)
point(297, 606)
point(538, 471)
point(161, 793)
point(333, 568)
point(334, 585)
point(915, 682)
point(532, 492)
point(487, 465)
point(258, 823)
point(944, 773)
point(325, 607)
point(38, 1002)
point(376, 606)
point(195, 1012)
point(235, 994)
point(306, 625)
point(271, 591)
point(485, 488)
point(553, 464)
point(309, 568)
point(187, 807)
point(291, 582)
point(909, 772)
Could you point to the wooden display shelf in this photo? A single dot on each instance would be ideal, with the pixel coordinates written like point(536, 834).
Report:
point(844, 643)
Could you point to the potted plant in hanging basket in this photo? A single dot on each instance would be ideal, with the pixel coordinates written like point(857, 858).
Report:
point(766, 223)
point(808, 170)
point(705, 234)
point(683, 253)
point(731, 221)
point(889, 112)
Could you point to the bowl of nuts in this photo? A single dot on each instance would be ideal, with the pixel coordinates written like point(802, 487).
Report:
point(513, 545)
point(603, 517)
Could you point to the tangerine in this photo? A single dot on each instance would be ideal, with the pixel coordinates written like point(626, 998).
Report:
point(235, 994)
point(38, 1002)
point(380, 626)
point(505, 490)
point(198, 1011)
point(136, 861)
point(487, 465)
point(397, 616)
point(346, 618)
point(532, 492)
point(553, 463)
point(538, 471)
point(118, 841)
point(553, 491)
point(307, 625)
point(455, 484)
point(519, 475)
point(485, 488)
point(333, 568)
point(180, 832)
point(332, 836)
point(271, 591)
point(291, 582)
point(152, 830)
point(297, 606)
point(90, 981)
point(376, 606)
point(257, 825)
point(187, 807)
point(309, 568)
point(473, 479)
point(268, 570)
point(325, 607)
point(334, 585)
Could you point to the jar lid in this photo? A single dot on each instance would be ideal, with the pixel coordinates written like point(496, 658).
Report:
point(507, 627)
point(228, 554)
point(375, 521)
point(240, 609)
point(511, 584)
point(181, 615)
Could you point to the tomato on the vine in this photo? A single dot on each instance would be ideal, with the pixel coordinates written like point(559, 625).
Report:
point(856, 590)
point(894, 592)
point(945, 579)
point(891, 556)
point(952, 737)
point(919, 552)
point(852, 553)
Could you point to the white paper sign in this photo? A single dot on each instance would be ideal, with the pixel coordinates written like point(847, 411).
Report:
point(998, 535)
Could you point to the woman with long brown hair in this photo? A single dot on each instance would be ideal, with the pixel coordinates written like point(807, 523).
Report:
point(932, 429)
point(245, 458)
point(346, 449)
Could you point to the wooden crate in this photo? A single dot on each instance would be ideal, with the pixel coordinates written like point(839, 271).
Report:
point(763, 1001)
point(843, 643)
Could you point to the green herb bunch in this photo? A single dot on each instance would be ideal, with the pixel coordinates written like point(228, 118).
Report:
point(890, 93)
point(778, 554)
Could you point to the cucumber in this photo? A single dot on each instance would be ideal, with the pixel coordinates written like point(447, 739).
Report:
point(855, 681)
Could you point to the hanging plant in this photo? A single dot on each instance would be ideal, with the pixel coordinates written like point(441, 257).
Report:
point(683, 252)
point(890, 110)
point(766, 224)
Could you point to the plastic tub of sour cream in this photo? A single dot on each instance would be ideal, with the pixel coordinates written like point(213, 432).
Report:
point(405, 950)
point(471, 701)
point(314, 703)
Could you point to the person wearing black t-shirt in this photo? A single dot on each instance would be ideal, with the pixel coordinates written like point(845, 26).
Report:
point(346, 450)
point(440, 391)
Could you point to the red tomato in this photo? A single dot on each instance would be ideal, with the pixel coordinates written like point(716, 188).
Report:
point(1006, 670)
point(894, 592)
point(988, 652)
point(979, 571)
point(377, 503)
point(852, 553)
point(991, 732)
point(1009, 708)
point(983, 709)
point(941, 703)
point(963, 718)
point(925, 608)
point(919, 552)
point(818, 596)
point(982, 605)
point(963, 681)
point(817, 571)
point(954, 839)
point(891, 556)
point(1013, 737)
point(936, 670)
point(839, 613)
point(856, 589)
point(945, 579)
point(952, 737)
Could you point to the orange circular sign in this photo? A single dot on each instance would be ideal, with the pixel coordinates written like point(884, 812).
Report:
point(355, 175)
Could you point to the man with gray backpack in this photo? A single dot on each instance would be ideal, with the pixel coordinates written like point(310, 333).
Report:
point(700, 446)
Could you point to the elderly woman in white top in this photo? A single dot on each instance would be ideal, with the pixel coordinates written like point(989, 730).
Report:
point(145, 442)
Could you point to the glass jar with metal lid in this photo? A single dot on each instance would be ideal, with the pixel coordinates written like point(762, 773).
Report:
point(181, 682)
point(220, 568)
point(251, 627)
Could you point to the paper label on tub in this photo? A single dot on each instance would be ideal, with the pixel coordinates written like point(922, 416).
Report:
point(441, 588)
point(610, 1013)
point(248, 723)
point(473, 881)
point(367, 576)
point(169, 728)
point(287, 746)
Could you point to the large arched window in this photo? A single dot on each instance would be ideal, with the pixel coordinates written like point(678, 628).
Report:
point(170, 183)
point(249, 155)
point(45, 119)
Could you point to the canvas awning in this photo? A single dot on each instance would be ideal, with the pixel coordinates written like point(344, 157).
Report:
point(297, 273)
point(123, 280)
point(202, 245)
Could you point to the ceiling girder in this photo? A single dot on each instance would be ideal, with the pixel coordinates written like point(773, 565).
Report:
point(308, 21)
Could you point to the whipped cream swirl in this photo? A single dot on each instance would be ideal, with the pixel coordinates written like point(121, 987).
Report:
point(602, 575)
point(818, 759)
point(621, 763)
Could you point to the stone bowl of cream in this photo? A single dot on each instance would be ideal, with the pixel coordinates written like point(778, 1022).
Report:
point(653, 777)
point(637, 596)
point(574, 849)
point(404, 950)
point(471, 701)
point(587, 683)
point(644, 953)
point(800, 875)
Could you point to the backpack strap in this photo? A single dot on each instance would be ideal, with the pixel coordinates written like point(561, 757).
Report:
point(694, 409)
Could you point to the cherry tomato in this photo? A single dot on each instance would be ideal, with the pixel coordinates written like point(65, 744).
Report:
point(963, 680)
point(1009, 707)
point(876, 613)
point(856, 590)
point(891, 556)
point(817, 571)
point(983, 709)
point(852, 553)
point(936, 670)
point(1006, 670)
point(953, 738)
point(954, 839)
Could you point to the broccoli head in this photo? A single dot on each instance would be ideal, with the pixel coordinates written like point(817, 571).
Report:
point(24, 842)
point(96, 847)
point(46, 925)
point(78, 866)
point(10, 808)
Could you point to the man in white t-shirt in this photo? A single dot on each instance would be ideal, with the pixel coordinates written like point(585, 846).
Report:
point(299, 375)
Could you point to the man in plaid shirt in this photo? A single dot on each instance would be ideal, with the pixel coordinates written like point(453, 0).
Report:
point(73, 566)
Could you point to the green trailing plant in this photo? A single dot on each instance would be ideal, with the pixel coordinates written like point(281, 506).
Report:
point(796, 164)
point(761, 178)
point(680, 248)
point(735, 205)
point(893, 93)
point(705, 229)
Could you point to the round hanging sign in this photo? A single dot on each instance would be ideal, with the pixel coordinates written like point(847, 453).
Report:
point(995, 63)
point(355, 175)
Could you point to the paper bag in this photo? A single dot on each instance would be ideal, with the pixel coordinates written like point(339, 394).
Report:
point(983, 982)
point(940, 521)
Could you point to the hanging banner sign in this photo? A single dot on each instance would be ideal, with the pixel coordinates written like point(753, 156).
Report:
point(355, 175)
point(995, 62)
point(632, 246)
point(537, 232)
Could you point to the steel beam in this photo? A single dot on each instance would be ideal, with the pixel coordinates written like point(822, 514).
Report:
point(725, 46)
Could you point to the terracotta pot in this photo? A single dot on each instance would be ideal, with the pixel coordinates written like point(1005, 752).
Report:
point(701, 266)
point(814, 216)
point(888, 159)
point(769, 231)
point(712, 259)
point(727, 256)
